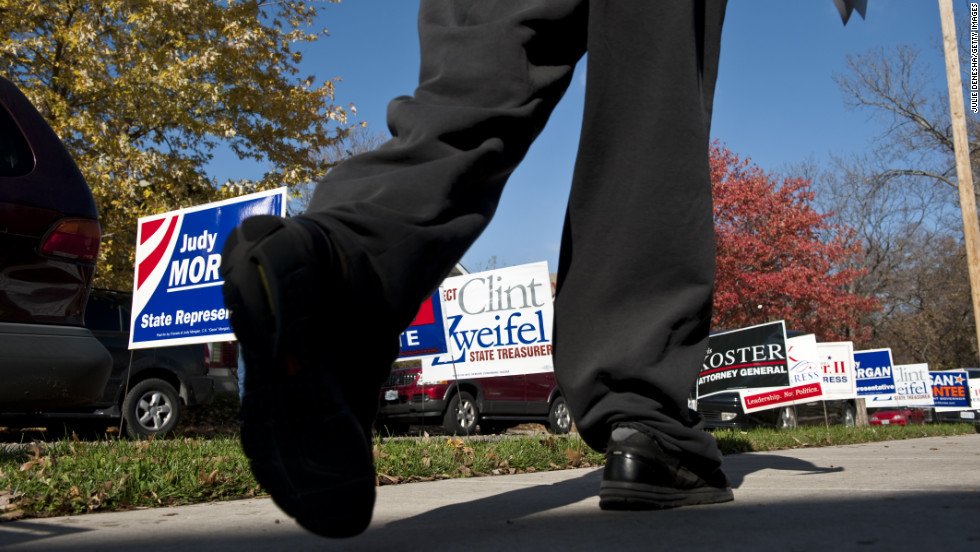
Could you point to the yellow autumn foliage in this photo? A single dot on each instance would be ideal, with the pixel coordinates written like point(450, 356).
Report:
point(142, 92)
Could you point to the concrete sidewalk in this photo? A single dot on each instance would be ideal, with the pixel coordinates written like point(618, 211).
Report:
point(899, 495)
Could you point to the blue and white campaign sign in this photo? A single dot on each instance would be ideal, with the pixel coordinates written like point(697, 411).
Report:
point(426, 335)
point(499, 323)
point(177, 282)
point(874, 373)
point(950, 390)
point(912, 388)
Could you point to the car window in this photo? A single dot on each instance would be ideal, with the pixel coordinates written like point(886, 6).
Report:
point(16, 158)
point(102, 315)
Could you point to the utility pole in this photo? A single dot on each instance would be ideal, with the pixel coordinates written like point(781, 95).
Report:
point(961, 144)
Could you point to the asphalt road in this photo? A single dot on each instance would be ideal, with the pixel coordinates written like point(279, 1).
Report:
point(915, 495)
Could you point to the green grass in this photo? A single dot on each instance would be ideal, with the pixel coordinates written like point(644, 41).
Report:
point(764, 439)
point(71, 476)
point(429, 458)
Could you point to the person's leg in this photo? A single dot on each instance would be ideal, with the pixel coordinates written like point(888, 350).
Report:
point(317, 301)
point(636, 273)
point(491, 73)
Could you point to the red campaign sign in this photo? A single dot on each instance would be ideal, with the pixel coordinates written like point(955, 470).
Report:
point(426, 315)
point(426, 335)
point(780, 396)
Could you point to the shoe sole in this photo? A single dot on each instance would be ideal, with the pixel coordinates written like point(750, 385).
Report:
point(305, 446)
point(620, 495)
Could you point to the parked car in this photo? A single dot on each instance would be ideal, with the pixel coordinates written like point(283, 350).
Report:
point(724, 410)
point(49, 246)
point(493, 403)
point(901, 415)
point(969, 416)
point(148, 389)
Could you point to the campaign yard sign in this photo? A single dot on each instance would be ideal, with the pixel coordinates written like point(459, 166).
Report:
point(748, 358)
point(498, 323)
point(974, 387)
point(912, 388)
point(177, 279)
point(805, 374)
point(950, 390)
point(873, 370)
point(805, 377)
point(836, 361)
point(426, 335)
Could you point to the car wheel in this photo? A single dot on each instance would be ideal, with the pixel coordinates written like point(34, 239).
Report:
point(559, 418)
point(847, 417)
point(152, 407)
point(787, 418)
point(461, 415)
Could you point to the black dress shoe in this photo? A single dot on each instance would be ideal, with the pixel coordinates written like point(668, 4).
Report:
point(305, 417)
point(640, 475)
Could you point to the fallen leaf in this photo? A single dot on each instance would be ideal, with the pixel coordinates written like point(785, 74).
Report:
point(12, 515)
point(385, 479)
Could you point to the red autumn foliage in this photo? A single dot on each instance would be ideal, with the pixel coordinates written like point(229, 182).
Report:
point(777, 258)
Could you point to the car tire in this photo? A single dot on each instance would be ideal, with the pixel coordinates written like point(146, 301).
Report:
point(152, 407)
point(848, 418)
point(786, 418)
point(461, 415)
point(559, 418)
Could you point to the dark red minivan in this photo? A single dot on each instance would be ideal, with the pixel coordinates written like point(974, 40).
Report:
point(49, 246)
point(461, 406)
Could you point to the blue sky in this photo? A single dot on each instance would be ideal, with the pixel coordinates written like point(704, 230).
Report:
point(776, 101)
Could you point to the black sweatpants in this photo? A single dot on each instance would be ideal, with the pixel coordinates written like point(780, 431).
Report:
point(636, 270)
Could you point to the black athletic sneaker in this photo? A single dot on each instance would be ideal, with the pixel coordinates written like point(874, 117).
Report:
point(306, 411)
point(640, 475)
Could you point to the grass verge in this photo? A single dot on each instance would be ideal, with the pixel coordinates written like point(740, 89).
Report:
point(765, 439)
point(71, 476)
